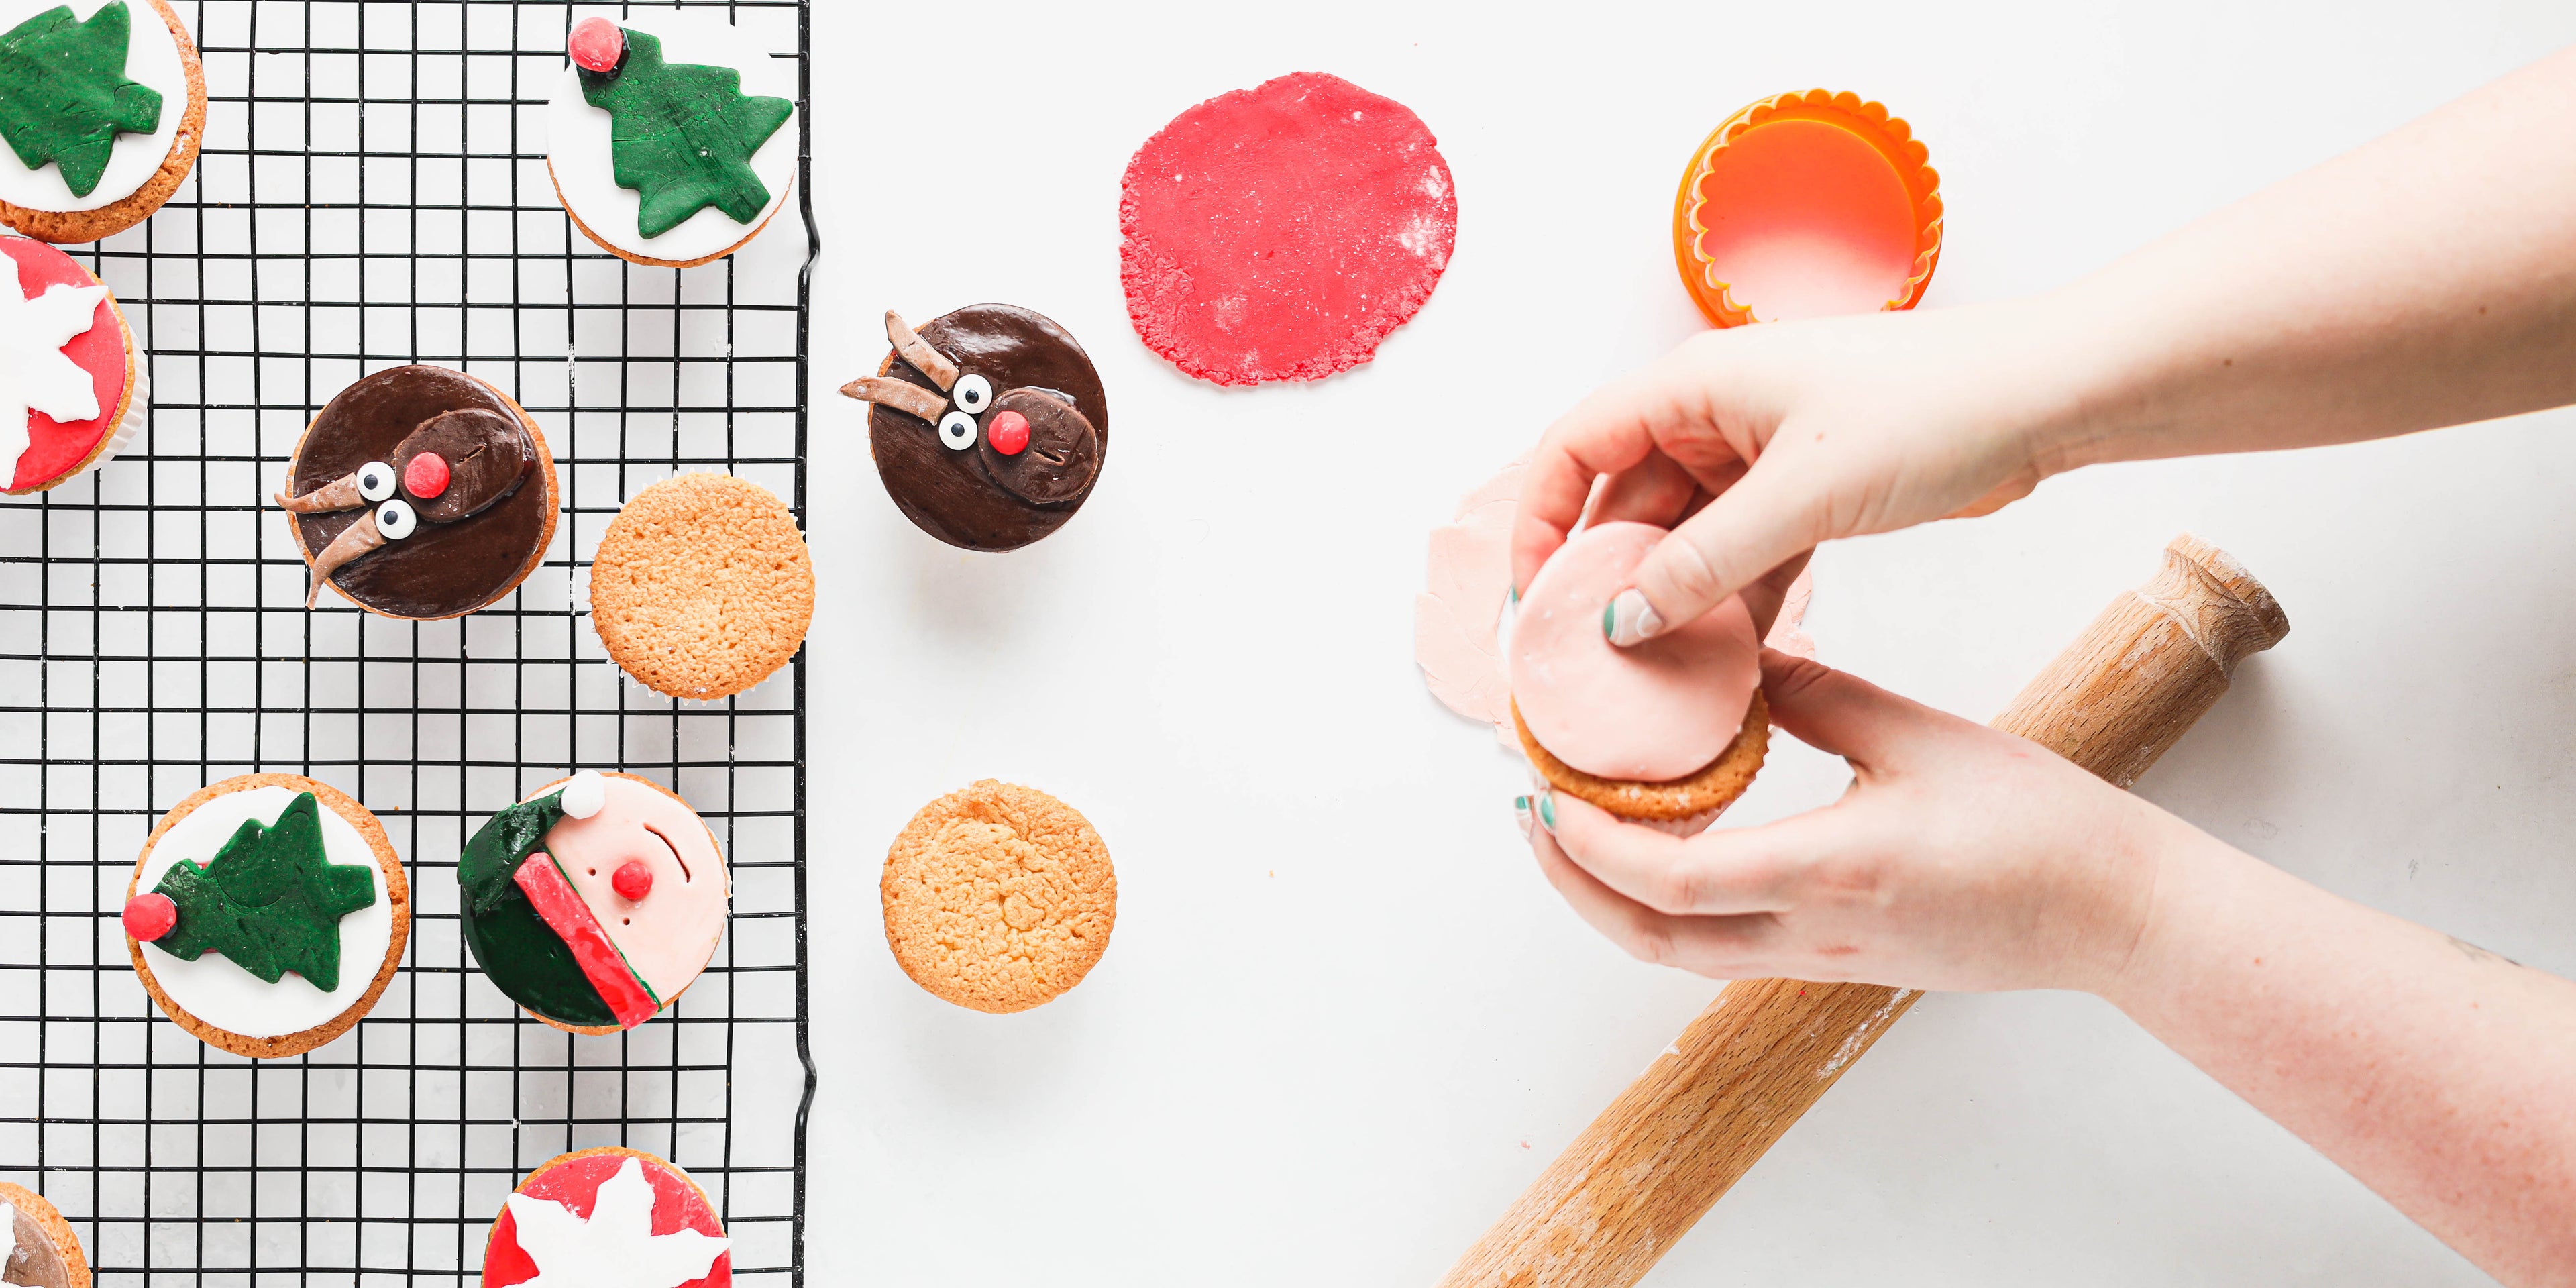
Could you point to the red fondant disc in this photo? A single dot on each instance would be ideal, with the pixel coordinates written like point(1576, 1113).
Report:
point(574, 1181)
point(54, 448)
point(1280, 232)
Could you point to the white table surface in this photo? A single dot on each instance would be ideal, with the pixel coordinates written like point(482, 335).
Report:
point(1342, 1020)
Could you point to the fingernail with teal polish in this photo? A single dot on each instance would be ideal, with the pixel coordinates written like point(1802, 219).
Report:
point(1521, 814)
point(1628, 619)
point(1547, 812)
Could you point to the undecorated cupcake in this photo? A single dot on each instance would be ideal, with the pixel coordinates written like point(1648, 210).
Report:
point(255, 879)
point(702, 586)
point(421, 493)
point(998, 897)
point(595, 902)
point(663, 161)
point(76, 391)
point(608, 1216)
point(103, 105)
point(989, 426)
point(1668, 732)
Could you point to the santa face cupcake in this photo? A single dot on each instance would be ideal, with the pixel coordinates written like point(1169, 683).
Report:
point(608, 1216)
point(102, 105)
point(267, 914)
point(72, 388)
point(594, 902)
point(670, 138)
point(420, 493)
point(43, 1251)
point(989, 426)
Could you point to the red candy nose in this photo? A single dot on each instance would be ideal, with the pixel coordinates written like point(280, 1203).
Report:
point(633, 881)
point(1009, 433)
point(426, 476)
point(597, 44)
point(150, 916)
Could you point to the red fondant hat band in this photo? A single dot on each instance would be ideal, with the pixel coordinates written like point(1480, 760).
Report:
point(562, 909)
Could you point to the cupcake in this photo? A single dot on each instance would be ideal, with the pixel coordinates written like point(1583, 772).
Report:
point(1668, 732)
point(998, 897)
point(102, 104)
point(1805, 205)
point(594, 902)
point(252, 881)
point(989, 426)
point(665, 162)
point(610, 1215)
point(420, 493)
point(71, 359)
point(43, 1252)
point(702, 586)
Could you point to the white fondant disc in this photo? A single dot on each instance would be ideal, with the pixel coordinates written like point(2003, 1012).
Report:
point(152, 57)
point(577, 137)
point(222, 994)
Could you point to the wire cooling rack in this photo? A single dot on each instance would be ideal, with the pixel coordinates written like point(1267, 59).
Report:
point(372, 192)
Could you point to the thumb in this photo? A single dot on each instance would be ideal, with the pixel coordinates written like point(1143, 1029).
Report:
point(1749, 529)
point(1835, 712)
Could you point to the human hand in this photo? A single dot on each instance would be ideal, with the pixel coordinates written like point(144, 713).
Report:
point(1961, 858)
point(1756, 443)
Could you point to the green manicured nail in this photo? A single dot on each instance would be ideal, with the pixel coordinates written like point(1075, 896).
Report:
point(1547, 811)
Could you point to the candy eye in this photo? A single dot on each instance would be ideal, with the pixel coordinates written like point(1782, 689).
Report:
point(972, 395)
point(395, 520)
point(957, 429)
point(375, 480)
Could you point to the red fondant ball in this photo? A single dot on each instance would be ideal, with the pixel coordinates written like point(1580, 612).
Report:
point(426, 476)
point(1009, 432)
point(633, 881)
point(596, 44)
point(150, 916)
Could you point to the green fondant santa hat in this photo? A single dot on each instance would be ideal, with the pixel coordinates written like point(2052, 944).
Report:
point(531, 931)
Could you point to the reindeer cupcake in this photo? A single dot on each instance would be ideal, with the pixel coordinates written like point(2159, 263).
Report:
point(989, 426)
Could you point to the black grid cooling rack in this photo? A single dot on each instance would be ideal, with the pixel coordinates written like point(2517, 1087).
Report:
point(373, 191)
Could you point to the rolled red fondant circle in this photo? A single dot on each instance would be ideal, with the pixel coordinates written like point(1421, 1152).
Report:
point(54, 448)
point(1280, 232)
point(150, 915)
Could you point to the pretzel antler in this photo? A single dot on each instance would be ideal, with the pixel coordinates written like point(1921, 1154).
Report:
point(899, 394)
point(338, 494)
point(924, 359)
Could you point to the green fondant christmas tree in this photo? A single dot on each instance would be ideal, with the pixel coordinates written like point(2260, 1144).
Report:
point(270, 901)
point(64, 95)
point(682, 135)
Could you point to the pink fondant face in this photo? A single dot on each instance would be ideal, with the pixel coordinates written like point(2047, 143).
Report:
point(667, 935)
point(1653, 713)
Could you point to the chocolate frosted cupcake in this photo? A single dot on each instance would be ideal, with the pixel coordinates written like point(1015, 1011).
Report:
point(990, 426)
point(420, 493)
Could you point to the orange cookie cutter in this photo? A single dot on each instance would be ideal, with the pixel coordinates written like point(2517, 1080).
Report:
point(1805, 204)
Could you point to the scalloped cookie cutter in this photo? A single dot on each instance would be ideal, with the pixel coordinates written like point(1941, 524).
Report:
point(1807, 204)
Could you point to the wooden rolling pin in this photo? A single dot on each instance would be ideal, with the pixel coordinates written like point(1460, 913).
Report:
point(1635, 1181)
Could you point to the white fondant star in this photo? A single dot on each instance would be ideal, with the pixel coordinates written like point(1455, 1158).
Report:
point(616, 1247)
point(33, 371)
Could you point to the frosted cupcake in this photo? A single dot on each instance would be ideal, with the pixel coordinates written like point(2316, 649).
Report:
point(1667, 732)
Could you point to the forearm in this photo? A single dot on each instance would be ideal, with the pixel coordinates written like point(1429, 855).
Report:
point(2441, 1075)
point(2427, 278)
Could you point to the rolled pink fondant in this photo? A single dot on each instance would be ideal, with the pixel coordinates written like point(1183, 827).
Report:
point(1652, 713)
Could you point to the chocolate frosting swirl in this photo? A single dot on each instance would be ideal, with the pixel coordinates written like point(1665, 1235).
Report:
point(443, 568)
point(959, 497)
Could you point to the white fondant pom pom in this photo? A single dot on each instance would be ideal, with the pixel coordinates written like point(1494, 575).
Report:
point(584, 795)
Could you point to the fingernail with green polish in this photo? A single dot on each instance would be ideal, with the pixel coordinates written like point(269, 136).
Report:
point(1628, 619)
point(1521, 814)
point(1547, 812)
